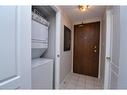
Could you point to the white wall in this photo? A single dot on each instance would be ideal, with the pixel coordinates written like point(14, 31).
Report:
point(65, 57)
point(89, 20)
point(122, 81)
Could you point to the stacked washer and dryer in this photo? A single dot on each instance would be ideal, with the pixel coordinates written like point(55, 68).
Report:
point(42, 68)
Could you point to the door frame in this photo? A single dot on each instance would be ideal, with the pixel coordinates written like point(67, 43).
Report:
point(109, 19)
point(89, 21)
point(57, 47)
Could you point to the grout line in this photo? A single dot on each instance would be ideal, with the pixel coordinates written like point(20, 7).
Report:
point(78, 80)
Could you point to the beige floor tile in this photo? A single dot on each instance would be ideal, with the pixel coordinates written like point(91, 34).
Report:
point(80, 82)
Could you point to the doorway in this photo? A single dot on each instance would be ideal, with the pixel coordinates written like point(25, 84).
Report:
point(86, 49)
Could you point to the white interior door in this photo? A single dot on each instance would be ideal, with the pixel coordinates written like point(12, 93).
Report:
point(115, 46)
point(15, 47)
point(112, 47)
point(9, 67)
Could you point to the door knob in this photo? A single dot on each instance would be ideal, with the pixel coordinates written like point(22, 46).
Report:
point(95, 50)
point(108, 58)
point(58, 55)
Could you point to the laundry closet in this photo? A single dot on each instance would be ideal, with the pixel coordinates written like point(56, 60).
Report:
point(43, 23)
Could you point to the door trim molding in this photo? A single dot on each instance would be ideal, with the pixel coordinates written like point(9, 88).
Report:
point(107, 51)
point(57, 46)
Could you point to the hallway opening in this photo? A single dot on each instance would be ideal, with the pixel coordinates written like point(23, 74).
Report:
point(87, 51)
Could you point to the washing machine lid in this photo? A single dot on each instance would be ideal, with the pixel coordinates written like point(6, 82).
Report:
point(41, 61)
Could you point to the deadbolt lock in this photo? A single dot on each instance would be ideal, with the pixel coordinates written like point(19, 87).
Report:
point(95, 47)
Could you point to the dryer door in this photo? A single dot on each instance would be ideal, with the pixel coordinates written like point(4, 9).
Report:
point(39, 31)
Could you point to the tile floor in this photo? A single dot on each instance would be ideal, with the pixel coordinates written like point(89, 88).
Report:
point(77, 81)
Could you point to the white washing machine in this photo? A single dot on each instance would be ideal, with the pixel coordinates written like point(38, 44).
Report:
point(42, 73)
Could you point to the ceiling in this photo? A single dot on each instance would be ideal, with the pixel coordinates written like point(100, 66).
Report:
point(77, 16)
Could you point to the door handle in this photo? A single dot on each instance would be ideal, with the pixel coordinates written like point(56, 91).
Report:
point(108, 59)
point(58, 55)
point(95, 51)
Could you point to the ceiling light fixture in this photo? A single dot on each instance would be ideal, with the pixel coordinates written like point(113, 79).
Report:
point(83, 7)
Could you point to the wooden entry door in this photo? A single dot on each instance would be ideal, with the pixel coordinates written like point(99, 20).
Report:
point(86, 49)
